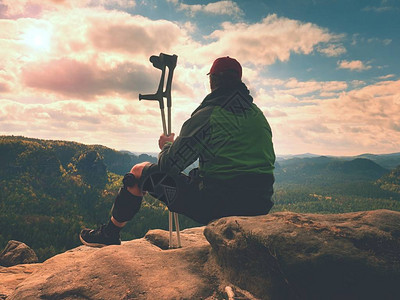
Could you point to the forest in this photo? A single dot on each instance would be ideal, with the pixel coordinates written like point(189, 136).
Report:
point(50, 190)
point(324, 184)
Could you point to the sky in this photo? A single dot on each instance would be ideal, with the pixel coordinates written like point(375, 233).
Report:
point(325, 73)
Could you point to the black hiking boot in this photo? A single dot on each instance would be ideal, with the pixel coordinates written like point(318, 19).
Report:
point(99, 237)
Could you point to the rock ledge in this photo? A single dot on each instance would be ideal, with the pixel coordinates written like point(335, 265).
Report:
point(279, 256)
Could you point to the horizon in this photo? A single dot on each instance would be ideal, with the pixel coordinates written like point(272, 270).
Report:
point(156, 153)
point(326, 79)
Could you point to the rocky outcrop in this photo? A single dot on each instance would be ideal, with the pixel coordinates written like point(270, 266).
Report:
point(278, 256)
point(309, 256)
point(16, 253)
point(135, 270)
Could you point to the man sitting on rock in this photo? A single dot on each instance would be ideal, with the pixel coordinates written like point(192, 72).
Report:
point(232, 140)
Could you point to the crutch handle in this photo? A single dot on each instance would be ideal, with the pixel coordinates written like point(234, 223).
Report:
point(157, 61)
point(149, 97)
point(155, 97)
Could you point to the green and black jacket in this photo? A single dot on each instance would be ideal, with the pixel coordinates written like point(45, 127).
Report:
point(229, 135)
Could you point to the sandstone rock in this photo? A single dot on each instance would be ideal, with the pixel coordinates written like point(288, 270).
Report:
point(160, 238)
point(16, 253)
point(309, 256)
point(135, 270)
point(278, 256)
point(11, 277)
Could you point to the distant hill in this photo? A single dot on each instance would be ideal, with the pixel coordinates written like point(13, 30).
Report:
point(289, 156)
point(388, 161)
point(327, 170)
point(116, 161)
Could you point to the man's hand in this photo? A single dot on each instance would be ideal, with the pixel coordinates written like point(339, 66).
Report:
point(164, 139)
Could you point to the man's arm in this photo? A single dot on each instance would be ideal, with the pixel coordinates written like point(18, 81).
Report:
point(188, 146)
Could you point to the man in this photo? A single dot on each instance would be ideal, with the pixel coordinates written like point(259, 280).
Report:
point(232, 140)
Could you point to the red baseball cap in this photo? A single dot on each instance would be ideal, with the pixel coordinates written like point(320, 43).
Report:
point(223, 64)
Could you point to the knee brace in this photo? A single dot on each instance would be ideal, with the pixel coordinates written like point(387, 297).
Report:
point(125, 205)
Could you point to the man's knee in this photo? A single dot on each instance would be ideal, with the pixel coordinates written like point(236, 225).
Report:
point(138, 169)
point(137, 172)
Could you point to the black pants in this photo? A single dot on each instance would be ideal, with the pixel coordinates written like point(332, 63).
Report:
point(198, 198)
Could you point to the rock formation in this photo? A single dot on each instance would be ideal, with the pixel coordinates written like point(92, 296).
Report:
point(311, 256)
point(16, 253)
point(279, 256)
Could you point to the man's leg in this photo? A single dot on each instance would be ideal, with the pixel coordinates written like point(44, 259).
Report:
point(126, 205)
point(181, 193)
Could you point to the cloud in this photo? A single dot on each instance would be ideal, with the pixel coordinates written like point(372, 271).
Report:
point(332, 50)
point(356, 121)
point(357, 83)
point(86, 122)
point(12, 9)
point(379, 9)
point(354, 65)
point(356, 39)
point(296, 88)
point(90, 53)
point(229, 8)
point(263, 43)
point(4, 88)
point(387, 76)
point(385, 42)
point(124, 4)
point(274, 113)
point(132, 34)
point(93, 32)
point(86, 80)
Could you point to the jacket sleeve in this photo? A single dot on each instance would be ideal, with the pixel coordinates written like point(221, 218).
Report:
point(189, 145)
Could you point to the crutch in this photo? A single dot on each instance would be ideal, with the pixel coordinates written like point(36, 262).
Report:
point(161, 62)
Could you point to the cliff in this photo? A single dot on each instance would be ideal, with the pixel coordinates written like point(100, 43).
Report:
point(279, 256)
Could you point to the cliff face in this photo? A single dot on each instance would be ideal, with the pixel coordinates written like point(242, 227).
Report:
point(278, 256)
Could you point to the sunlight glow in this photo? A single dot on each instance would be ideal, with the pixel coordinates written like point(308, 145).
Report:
point(37, 38)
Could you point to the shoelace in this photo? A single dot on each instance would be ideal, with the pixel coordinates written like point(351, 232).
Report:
point(98, 230)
